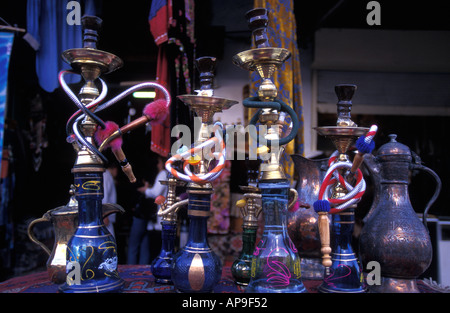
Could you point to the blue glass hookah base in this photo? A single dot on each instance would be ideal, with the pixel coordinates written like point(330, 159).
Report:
point(198, 270)
point(276, 263)
point(344, 275)
point(161, 266)
point(97, 263)
point(91, 260)
point(276, 269)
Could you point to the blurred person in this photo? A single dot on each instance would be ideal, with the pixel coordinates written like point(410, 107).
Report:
point(145, 218)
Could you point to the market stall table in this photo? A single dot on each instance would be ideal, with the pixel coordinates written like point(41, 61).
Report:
point(139, 279)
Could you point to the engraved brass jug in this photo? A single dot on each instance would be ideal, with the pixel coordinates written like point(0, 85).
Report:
point(64, 220)
point(393, 234)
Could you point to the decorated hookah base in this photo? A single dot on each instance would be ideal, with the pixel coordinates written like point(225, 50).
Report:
point(106, 285)
point(395, 285)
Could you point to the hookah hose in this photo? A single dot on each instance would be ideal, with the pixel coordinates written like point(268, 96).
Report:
point(107, 133)
point(81, 107)
point(364, 144)
point(77, 116)
point(154, 112)
point(188, 153)
point(276, 104)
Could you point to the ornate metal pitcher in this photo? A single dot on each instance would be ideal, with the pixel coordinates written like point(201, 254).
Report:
point(393, 235)
point(302, 224)
point(65, 221)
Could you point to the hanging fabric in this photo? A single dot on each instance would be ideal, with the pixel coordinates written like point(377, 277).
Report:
point(282, 34)
point(6, 42)
point(160, 18)
point(7, 177)
point(47, 23)
point(171, 25)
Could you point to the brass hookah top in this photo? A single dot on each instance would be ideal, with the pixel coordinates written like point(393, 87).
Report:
point(89, 61)
point(264, 59)
point(205, 104)
point(344, 134)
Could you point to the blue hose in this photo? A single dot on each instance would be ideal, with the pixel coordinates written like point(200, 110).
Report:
point(277, 104)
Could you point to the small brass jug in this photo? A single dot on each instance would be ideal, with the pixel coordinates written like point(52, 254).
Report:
point(393, 234)
point(65, 221)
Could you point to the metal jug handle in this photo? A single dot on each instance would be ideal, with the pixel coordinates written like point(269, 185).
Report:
point(294, 195)
point(418, 166)
point(44, 218)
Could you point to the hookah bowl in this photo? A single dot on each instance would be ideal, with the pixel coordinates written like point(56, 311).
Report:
point(91, 264)
point(196, 268)
point(162, 264)
point(275, 264)
point(342, 270)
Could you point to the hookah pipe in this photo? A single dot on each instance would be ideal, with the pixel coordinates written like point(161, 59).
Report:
point(108, 133)
point(196, 268)
point(188, 156)
point(265, 59)
point(250, 211)
point(91, 259)
point(91, 251)
point(270, 273)
point(110, 136)
point(204, 104)
point(323, 206)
